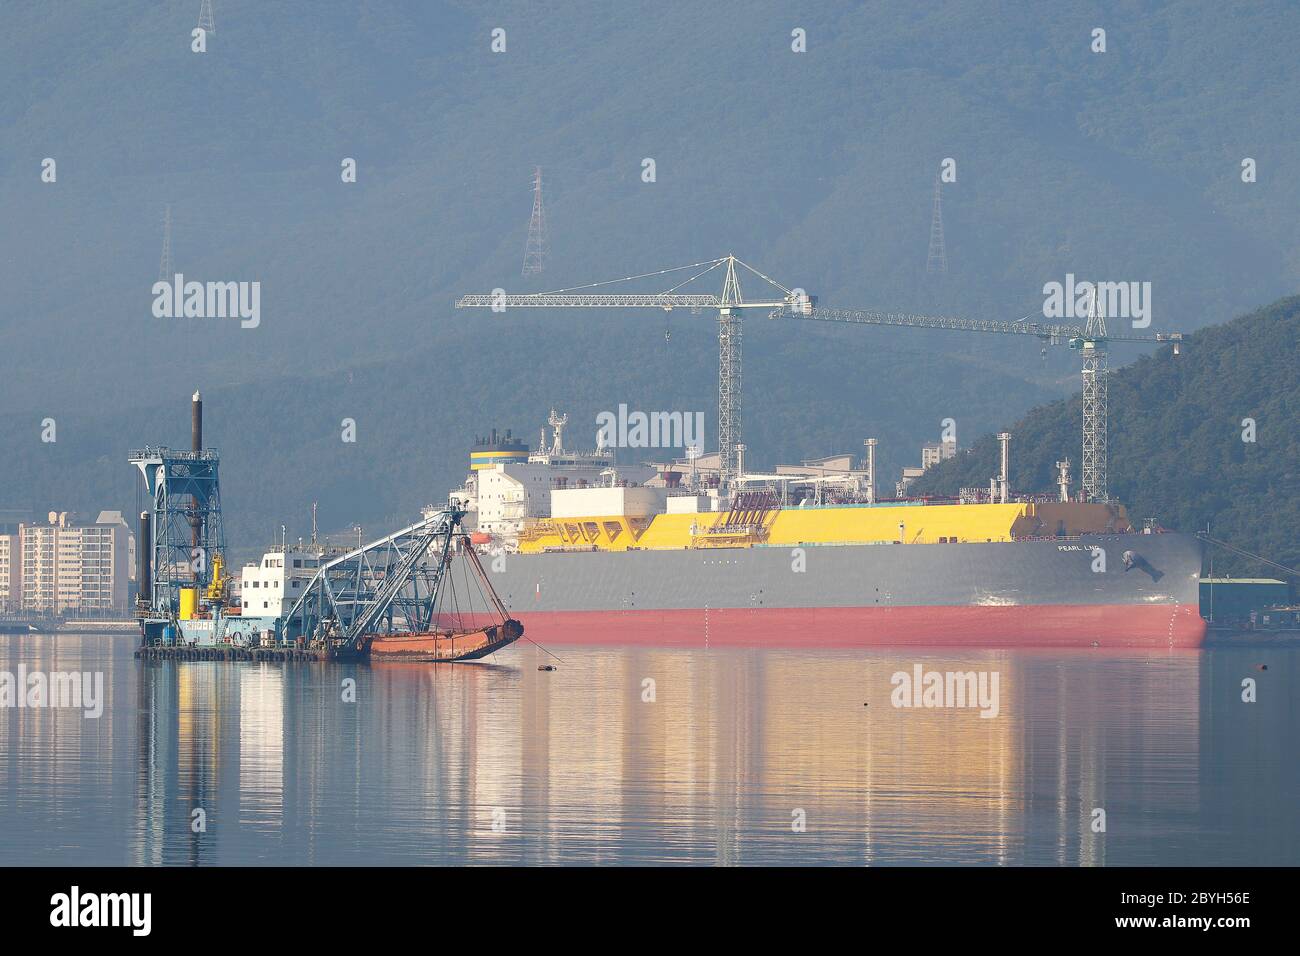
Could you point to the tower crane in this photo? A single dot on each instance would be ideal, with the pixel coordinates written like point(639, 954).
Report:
point(1091, 341)
point(729, 304)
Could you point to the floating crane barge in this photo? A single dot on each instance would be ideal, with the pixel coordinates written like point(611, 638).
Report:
point(391, 599)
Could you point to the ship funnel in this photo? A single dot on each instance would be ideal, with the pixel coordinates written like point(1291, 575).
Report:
point(1004, 479)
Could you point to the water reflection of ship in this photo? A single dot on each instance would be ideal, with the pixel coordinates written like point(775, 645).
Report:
point(585, 769)
point(179, 749)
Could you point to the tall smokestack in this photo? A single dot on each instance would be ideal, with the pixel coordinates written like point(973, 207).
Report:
point(196, 421)
point(196, 439)
point(1004, 479)
point(871, 470)
point(144, 560)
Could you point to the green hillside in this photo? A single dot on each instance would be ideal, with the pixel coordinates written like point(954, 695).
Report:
point(1176, 438)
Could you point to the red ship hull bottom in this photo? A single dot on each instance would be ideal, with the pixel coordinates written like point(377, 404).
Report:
point(1042, 625)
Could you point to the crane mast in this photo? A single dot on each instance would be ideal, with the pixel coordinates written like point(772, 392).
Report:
point(1092, 350)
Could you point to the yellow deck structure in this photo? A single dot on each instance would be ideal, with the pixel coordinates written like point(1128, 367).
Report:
point(846, 524)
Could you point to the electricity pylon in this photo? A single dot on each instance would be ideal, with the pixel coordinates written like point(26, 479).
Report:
point(937, 260)
point(165, 270)
point(535, 247)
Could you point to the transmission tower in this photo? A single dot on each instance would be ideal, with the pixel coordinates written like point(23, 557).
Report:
point(1093, 353)
point(206, 23)
point(165, 270)
point(535, 247)
point(937, 260)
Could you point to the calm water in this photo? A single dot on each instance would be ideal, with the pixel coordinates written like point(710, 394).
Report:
point(573, 766)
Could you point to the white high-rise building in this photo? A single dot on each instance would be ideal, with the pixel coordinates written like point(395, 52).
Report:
point(10, 563)
point(74, 567)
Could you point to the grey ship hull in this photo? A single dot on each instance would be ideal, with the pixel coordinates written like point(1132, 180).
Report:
point(1051, 593)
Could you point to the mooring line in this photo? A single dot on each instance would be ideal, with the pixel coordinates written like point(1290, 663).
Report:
point(544, 650)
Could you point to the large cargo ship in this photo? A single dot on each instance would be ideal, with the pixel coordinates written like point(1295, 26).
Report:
point(617, 560)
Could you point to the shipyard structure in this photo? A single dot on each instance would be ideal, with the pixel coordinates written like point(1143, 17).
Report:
point(396, 598)
point(585, 550)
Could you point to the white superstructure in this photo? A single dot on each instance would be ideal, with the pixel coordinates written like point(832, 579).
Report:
point(268, 588)
point(501, 497)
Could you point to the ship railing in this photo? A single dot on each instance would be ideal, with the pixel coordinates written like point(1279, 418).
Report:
point(729, 531)
point(162, 451)
point(1088, 534)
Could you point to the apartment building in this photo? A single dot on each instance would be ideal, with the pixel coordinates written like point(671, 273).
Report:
point(74, 567)
point(10, 564)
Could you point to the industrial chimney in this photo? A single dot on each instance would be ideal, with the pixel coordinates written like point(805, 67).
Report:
point(196, 440)
point(1004, 479)
point(871, 470)
point(196, 422)
point(144, 561)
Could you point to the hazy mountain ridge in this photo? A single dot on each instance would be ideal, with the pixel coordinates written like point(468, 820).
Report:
point(815, 167)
